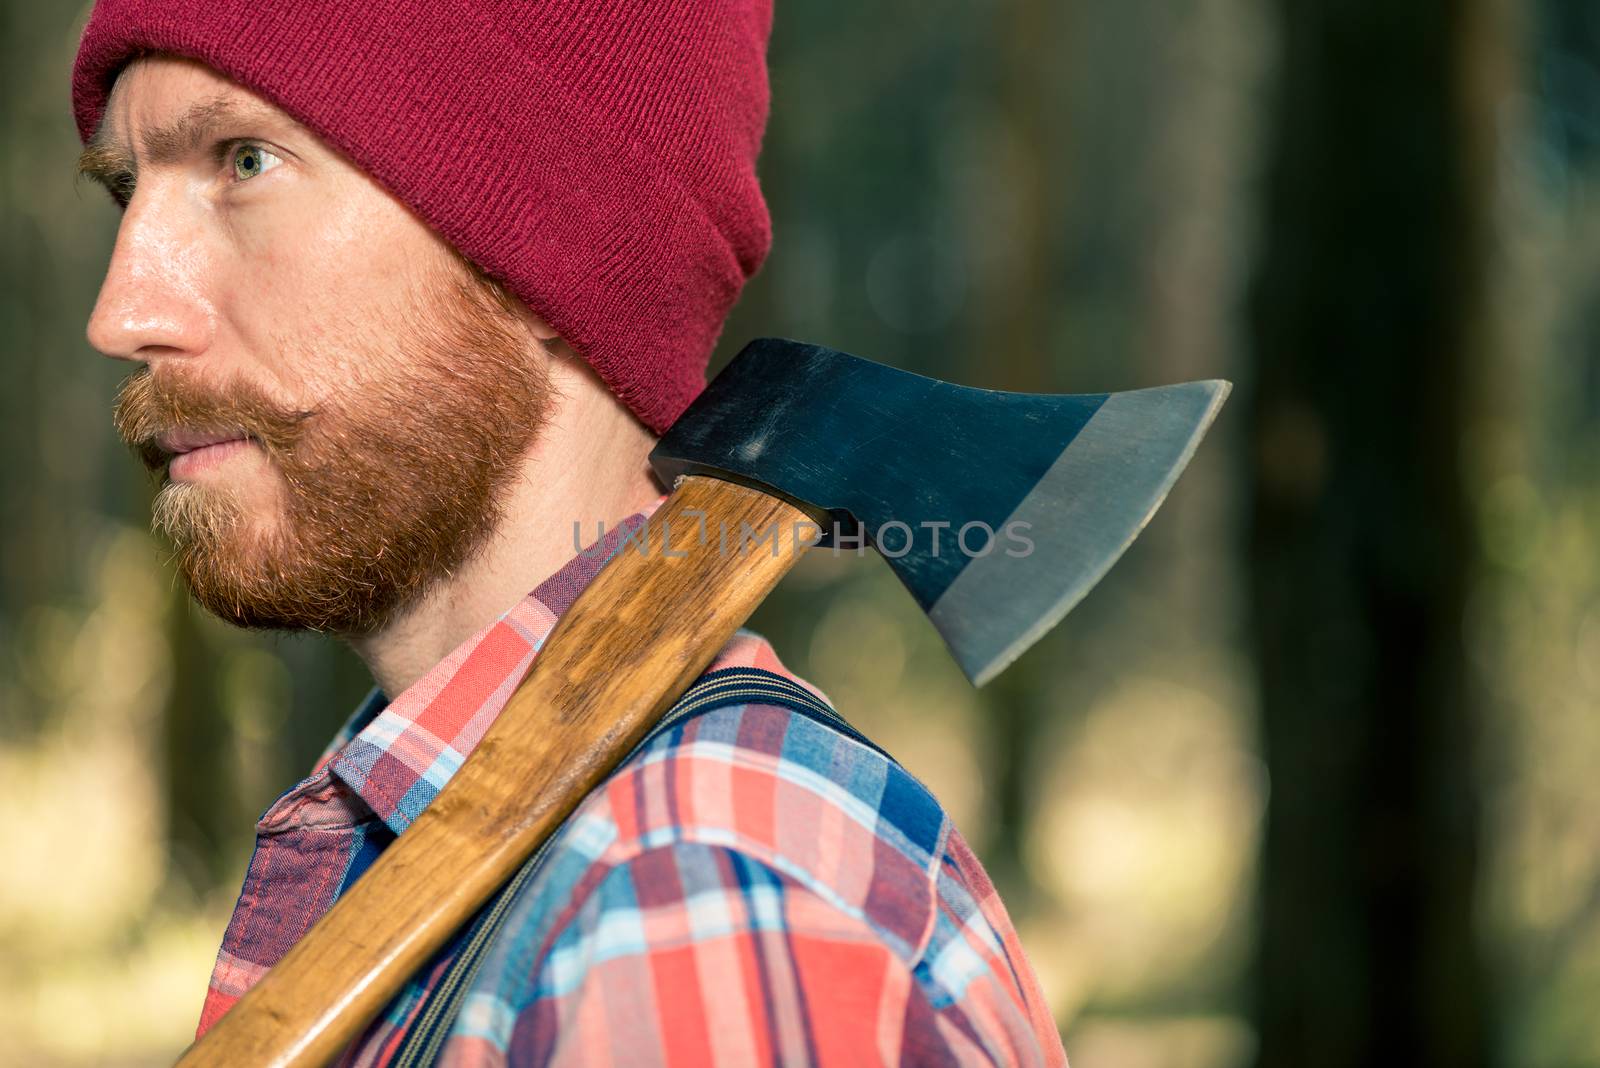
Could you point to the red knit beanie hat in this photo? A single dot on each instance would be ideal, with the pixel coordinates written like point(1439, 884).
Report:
point(597, 156)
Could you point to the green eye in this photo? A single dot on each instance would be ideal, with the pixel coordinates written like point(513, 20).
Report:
point(249, 160)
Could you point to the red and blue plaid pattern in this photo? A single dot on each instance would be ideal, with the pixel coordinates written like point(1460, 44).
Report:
point(749, 888)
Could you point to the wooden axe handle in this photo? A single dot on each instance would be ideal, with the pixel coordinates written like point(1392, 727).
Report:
point(636, 638)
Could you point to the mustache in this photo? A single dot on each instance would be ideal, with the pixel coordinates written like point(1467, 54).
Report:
point(148, 407)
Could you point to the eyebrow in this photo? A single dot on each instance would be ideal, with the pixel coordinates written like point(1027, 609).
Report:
point(108, 160)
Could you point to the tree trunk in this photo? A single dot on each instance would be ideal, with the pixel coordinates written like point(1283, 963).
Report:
point(1365, 326)
point(1015, 355)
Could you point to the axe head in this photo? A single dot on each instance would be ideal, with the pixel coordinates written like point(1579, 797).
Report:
point(998, 511)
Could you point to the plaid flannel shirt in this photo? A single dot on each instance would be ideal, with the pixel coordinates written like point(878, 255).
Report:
point(750, 888)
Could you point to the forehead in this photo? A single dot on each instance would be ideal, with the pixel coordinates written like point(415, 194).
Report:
point(180, 98)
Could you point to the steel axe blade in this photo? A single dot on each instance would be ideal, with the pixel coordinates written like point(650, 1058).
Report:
point(998, 511)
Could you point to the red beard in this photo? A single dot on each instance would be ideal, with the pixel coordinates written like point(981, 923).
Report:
point(387, 486)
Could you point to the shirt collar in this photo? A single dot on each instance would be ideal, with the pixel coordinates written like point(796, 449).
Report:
point(396, 755)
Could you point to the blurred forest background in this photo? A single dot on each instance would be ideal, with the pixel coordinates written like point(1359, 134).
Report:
point(1309, 780)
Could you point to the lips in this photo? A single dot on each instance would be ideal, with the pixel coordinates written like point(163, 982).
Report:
point(187, 455)
point(177, 442)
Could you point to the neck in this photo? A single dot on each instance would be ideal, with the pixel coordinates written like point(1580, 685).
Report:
point(588, 466)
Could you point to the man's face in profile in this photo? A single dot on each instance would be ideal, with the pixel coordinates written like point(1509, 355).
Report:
point(333, 401)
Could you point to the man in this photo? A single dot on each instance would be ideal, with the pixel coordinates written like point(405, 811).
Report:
point(358, 432)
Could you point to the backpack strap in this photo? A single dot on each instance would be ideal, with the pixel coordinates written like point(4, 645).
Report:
point(717, 689)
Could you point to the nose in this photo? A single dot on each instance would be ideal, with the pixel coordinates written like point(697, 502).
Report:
point(153, 300)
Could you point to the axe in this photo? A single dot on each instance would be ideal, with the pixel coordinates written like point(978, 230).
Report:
point(998, 511)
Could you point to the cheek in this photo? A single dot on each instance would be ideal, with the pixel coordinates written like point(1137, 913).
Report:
point(372, 251)
point(328, 272)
